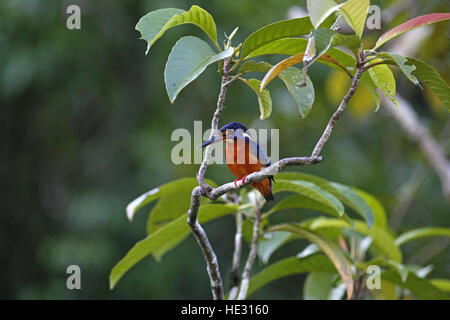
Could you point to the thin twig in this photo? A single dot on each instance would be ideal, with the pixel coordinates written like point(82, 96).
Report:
point(264, 173)
point(251, 256)
point(326, 134)
point(376, 64)
point(214, 127)
point(234, 274)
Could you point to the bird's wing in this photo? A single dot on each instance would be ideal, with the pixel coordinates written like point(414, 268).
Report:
point(256, 149)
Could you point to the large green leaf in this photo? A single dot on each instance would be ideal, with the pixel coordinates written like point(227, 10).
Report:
point(320, 10)
point(264, 100)
point(422, 288)
point(332, 250)
point(303, 95)
point(356, 202)
point(268, 246)
point(318, 286)
point(355, 13)
point(189, 58)
point(302, 202)
point(288, 267)
point(432, 79)
point(166, 238)
point(441, 284)
point(311, 191)
point(166, 209)
point(153, 25)
point(400, 61)
point(289, 46)
point(351, 197)
point(376, 207)
point(253, 66)
point(367, 82)
point(410, 25)
point(422, 233)
point(384, 80)
point(293, 46)
point(275, 31)
point(383, 242)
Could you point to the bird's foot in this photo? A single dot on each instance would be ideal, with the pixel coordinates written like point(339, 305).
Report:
point(241, 180)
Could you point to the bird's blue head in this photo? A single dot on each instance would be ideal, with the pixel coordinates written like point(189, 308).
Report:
point(233, 126)
point(223, 133)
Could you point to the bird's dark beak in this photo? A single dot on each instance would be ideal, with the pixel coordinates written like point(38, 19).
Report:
point(214, 139)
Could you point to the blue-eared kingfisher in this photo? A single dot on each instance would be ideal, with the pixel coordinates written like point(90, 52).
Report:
point(243, 156)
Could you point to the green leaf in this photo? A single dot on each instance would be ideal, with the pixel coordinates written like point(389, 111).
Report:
point(289, 46)
point(303, 96)
point(267, 247)
point(166, 209)
point(383, 242)
point(320, 10)
point(189, 58)
point(410, 25)
point(400, 62)
point(311, 191)
point(318, 286)
point(366, 81)
point(441, 284)
point(275, 31)
point(324, 39)
point(355, 13)
point(179, 187)
point(432, 79)
point(356, 202)
point(288, 267)
point(166, 238)
point(332, 250)
point(303, 202)
point(264, 100)
point(253, 66)
point(376, 207)
point(384, 80)
point(422, 288)
point(353, 198)
point(153, 25)
point(422, 233)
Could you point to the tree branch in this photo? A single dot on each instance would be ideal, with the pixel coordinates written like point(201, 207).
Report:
point(213, 193)
point(351, 91)
point(214, 127)
point(251, 256)
point(409, 121)
point(202, 239)
point(234, 274)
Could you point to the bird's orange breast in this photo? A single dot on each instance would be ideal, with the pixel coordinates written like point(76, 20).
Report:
point(242, 162)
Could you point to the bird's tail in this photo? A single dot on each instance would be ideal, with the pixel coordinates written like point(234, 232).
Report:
point(265, 188)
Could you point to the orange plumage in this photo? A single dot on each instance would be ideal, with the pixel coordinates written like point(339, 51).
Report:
point(250, 164)
point(243, 155)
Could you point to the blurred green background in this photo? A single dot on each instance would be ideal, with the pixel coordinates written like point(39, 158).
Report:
point(85, 126)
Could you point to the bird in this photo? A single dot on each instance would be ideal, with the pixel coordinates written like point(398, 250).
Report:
point(243, 156)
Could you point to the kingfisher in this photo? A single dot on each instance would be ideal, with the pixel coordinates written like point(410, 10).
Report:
point(243, 156)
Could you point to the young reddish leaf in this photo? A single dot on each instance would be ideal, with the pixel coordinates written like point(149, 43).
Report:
point(410, 25)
